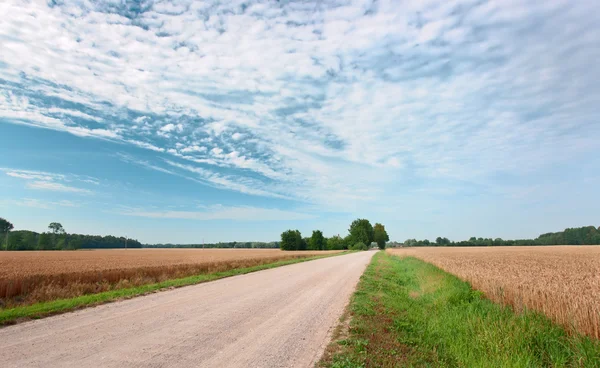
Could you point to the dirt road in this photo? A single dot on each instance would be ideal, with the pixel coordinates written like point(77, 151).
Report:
point(274, 318)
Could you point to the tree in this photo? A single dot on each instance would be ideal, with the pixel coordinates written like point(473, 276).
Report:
point(380, 235)
point(56, 228)
point(5, 228)
point(303, 244)
point(361, 231)
point(45, 242)
point(347, 241)
point(335, 243)
point(317, 241)
point(442, 241)
point(291, 240)
point(359, 246)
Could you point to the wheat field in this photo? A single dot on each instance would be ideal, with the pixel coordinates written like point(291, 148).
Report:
point(562, 282)
point(27, 277)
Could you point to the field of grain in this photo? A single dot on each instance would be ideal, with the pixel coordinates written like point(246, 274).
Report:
point(562, 282)
point(30, 277)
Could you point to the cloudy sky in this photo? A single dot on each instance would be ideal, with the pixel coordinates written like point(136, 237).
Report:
point(183, 121)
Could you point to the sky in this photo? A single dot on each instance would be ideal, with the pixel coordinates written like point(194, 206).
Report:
point(189, 121)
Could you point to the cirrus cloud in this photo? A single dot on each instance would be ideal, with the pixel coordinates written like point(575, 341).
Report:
point(323, 102)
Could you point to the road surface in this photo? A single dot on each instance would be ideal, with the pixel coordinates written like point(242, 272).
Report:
point(280, 317)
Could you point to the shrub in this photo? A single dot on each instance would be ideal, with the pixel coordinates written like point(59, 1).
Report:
point(359, 246)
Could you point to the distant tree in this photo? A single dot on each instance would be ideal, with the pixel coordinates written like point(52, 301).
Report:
point(5, 228)
point(304, 244)
point(359, 246)
point(410, 242)
point(56, 228)
point(29, 240)
point(347, 241)
point(291, 240)
point(45, 242)
point(442, 241)
point(380, 235)
point(335, 243)
point(317, 241)
point(361, 230)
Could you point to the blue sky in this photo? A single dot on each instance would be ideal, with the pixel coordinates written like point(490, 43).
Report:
point(183, 121)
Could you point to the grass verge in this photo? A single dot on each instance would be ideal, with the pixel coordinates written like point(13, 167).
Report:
point(408, 313)
point(39, 310)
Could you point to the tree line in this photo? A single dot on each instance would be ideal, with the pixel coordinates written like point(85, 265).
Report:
point(361, 235)
point(227, 245)
point(58, 239)
point(587, 235)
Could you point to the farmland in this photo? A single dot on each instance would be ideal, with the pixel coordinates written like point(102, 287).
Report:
point(38, 276)
point(563, 282)
point(410, 313)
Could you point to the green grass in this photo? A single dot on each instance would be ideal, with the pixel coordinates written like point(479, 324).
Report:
point(39, 310)
point(408, 313)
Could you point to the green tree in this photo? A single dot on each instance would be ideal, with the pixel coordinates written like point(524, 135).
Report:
point(347, 241)
point(291, 240)
point(317, 241)
point(380, 235)
point(57, 230)
point(335, 243)
point(359, 246)
point(442, 241)
point(45, 242)
point(361, 230)
point(5, 228)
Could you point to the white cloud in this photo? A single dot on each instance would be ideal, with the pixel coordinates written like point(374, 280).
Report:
point(57, 187)
point(41, 204)
point(224, 213)
point(168, 128)
point(216, 151)
point(41, 180)
point(194, 148)
point(230, 182)
point(146, 145)
point(334, 101)
point(146, 164)
point(28, 175)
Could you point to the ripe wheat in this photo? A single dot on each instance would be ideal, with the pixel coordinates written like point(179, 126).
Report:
point(562, 282)
point(30, 277)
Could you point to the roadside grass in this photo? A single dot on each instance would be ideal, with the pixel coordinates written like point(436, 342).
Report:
point(408, 313)
point(44, 309)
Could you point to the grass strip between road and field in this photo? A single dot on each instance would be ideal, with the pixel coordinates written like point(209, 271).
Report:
point(44, 309)
point(408, 313)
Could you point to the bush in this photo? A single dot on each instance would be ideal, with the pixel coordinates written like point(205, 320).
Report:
point(359, 246)
point(336, 243)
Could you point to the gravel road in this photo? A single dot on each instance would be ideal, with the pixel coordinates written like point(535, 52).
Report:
point(280, 317)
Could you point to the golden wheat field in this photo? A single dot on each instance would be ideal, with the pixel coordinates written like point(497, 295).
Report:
point(562, 282)
point(27, 277)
